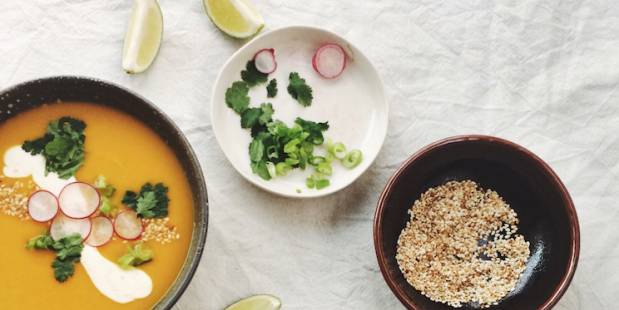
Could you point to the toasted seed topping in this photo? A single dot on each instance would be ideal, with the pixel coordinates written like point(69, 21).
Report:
point(14, 196)
point(460, 245)
point(160, 230)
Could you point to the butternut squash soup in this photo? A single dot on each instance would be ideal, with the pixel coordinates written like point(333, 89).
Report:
point(95, 210)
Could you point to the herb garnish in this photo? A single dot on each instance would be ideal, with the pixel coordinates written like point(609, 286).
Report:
point(68, 253)
point(283, 148)
point(257, 116)
point(135, 256)
point(107, 191)
point(252, 76)
point(151, 202)
point(275, 148)
point(299, 90)
point(62, 146)
point(236, 96)
point(272, 88)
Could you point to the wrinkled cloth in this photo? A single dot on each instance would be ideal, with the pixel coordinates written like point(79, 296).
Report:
point(543, 74)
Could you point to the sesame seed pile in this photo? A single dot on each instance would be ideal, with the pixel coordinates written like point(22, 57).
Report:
point(460, 245)
point(160, 230)
point(14, 197)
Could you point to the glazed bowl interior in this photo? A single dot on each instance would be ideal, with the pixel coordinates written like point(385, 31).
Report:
point(31, 94)
point(545, 210)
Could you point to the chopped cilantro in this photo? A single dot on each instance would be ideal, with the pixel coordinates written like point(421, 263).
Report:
point(135, 256)
point(257, 116)
point(272, 88)
point(299, 90)
point(62, 146)
point(68, 253)
point(151, 202)
point(40, 242)
point(237, 98)
point(252, 76)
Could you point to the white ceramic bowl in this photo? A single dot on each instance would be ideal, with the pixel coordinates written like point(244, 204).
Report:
point(354, 105)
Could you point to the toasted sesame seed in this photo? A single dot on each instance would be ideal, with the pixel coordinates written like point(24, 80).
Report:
point(460, 245)
point(160, 230)
point(14, 197)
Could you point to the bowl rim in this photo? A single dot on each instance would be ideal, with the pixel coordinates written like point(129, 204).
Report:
point(274, 32)
point(190, 266)
point(571, 212)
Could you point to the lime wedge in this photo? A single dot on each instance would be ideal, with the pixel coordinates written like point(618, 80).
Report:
point(143, 36)
point(257, 302)
point(237, 18)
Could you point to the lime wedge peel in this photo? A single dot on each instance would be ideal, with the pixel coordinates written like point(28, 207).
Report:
point(237, 18)
point(143, 36)
point(257, 302)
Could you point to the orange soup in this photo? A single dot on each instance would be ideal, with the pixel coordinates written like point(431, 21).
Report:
point(128, 154)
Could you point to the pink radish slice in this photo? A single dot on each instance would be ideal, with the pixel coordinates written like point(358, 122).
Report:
point(79, 200)
point(128, 225)
point(42, 206)
point(329, 60)
point(64, 226)
point(101, 232)
point(264, 60)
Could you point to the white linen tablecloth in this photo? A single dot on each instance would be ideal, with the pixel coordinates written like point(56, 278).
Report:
point(541, 73)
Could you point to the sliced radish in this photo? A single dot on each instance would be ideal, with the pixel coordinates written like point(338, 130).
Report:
point(64, 226)
point(264, 60)
point(128, 225)
point(329, 60)
point(42, 206)
point(101, 232)
point(79, 200)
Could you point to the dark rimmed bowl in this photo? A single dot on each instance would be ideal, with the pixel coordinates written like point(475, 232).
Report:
point(547, 216)
point(34, 93)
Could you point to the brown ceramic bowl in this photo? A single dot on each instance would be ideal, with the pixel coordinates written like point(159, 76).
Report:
point(546, 212)
point(28, 95)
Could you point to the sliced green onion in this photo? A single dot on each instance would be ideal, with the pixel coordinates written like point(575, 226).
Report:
point(320, 184)
point(324, 168)
point(271, 169)
point(338, 150)
point(291, 161)
point(282, 169)
point(315, 160)
point(352, 159)
point(291, 146)
point(309, 182)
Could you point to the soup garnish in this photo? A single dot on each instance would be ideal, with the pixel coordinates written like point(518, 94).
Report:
point(62, 146)
point(276, 149)
point(272, 88)
point(68, 252)
point(151, 202)
point(299, 90)
point(136, 255)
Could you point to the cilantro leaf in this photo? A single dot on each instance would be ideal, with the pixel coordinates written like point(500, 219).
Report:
point(260, 168)
point(256, 150)
point(135, 256)
point(252, 76)
point(314, 129)
point(253, 117)
point(272, 88)
point(237, 97)
point(267, 113)
point(151, 202)
point(299, 90)
point(40, 242)
point(64, 269)
point(250, 117)
point(68, 252)
point(62, 146)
